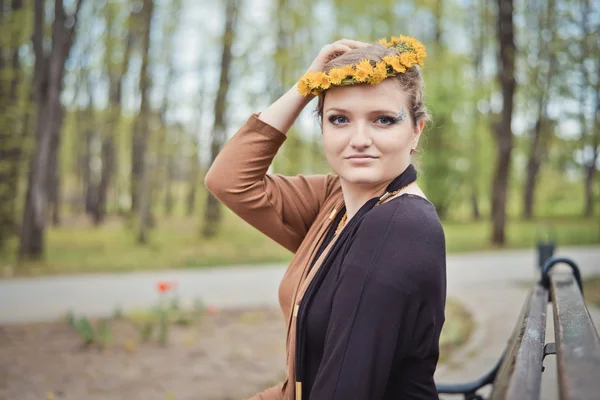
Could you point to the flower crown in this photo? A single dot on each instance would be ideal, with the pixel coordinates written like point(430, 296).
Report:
point(410, 52)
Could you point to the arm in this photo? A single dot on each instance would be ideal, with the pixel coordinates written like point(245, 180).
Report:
point(281, 207)
point(387, 312)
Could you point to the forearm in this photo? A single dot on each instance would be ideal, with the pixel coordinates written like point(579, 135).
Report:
point(284, 111)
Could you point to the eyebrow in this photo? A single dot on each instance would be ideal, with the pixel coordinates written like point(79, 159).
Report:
point(382, 111)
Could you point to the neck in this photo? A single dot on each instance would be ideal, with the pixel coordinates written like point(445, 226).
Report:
point(355, 195)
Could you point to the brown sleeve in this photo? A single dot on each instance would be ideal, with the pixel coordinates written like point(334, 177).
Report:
point(281, 207)
point(272, 393)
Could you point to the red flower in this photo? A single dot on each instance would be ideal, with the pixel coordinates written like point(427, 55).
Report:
point(164, 286)
point(211, 310)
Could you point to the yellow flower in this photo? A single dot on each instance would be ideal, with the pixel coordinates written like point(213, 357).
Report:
point(421, 56)
point(363, 70)
point(312, 80)
point(304, 86)
point(394, 62)
point(396, 39)
point(336, 75)
point(361, 75)
point(321, 80)
point(384, 42)
point(379, 73)
point(408, 59)
point(348, 71)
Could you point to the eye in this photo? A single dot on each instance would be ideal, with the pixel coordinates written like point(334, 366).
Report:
point(338, 119)
point(386, 120)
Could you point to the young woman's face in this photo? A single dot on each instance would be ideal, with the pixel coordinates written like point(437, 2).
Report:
point(368, 132)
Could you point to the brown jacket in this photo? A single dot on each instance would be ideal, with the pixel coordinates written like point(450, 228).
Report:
point(295, 211)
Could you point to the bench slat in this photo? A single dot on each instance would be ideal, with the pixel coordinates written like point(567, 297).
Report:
point(577, 341)
point(521, 372)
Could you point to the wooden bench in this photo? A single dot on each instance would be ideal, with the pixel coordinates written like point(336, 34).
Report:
point(518, 373)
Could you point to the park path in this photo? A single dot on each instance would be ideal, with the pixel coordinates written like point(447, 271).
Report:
point(490, 284)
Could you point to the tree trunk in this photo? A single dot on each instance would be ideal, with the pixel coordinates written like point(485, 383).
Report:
point(533, 166)
point(475, 214)
point(194, 172)
point(89, 183)
point(478, 34)
point(590, 168)
point(144, 206)
point(108, 162)
point(140, 135)
point(169, 201)
point(48, 76)
point(541, 131)
point(53, 172)
point(503, 132)
point(212, 212)
point(438, 14)
point(141, 179)
point(11, 125)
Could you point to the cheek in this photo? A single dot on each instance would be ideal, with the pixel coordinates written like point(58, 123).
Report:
point(331, 142)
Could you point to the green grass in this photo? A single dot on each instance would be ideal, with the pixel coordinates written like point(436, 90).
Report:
point(78, 247)
point(457, 329)
point(475, 236)
point(591, 290)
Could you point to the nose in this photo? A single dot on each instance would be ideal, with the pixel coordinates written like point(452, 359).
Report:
point(360, 137)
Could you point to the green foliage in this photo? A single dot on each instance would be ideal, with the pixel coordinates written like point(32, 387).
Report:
point(457, 151)
point(445, 162)
point(91, 335)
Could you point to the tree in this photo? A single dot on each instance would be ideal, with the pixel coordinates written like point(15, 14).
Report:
point(141, 127)
point(140, 178)
point(541, 78)
point(502, 130)
point(590, 131)
point(194, 155)
point(13, 110)
point(48, 81)
point(115, 67)
point(212, 212)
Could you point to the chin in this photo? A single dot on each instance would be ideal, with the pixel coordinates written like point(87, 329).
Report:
point(361, 176)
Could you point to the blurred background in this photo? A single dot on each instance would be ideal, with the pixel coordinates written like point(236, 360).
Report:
point(111, 112)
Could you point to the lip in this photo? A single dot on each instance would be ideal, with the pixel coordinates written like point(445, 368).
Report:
point(360, 157)
point(361, 160)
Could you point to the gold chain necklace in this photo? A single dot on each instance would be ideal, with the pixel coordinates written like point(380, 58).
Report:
point(385, 196)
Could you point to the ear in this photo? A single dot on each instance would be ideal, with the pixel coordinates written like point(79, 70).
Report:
point(417, 131)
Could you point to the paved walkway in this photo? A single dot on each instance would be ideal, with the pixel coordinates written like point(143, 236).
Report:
point(490, 284)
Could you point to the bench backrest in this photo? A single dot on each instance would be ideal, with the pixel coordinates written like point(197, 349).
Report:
point(577, 344)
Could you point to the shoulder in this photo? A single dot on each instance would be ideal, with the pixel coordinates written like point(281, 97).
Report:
point(408, 213)
point(407, 239)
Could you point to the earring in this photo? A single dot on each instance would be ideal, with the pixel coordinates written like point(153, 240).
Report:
point(412, 151)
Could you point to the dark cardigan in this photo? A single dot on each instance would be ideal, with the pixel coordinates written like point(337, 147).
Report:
point(371, 327)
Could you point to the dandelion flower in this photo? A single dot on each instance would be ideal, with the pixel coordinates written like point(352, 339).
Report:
point(321, 80)
point(348, 71)
point(394, 62)
point(304, 86)
point(336, 75)
point(408, 59)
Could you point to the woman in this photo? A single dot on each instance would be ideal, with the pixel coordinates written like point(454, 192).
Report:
point(364, 295)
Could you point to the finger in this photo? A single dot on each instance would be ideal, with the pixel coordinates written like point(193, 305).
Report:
point(336, 50)
point(352, 43)
point(339, 48)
